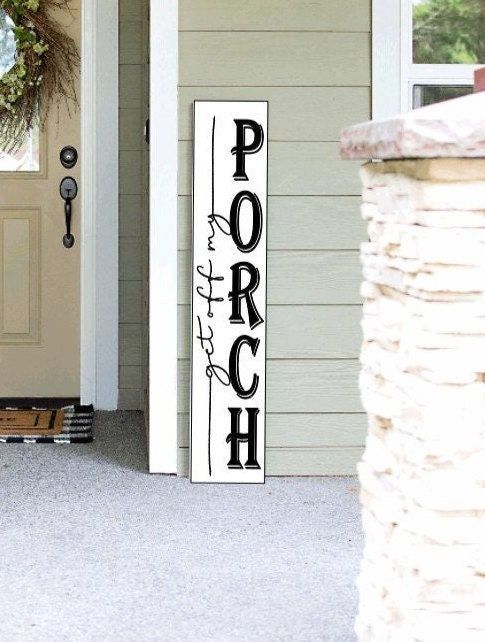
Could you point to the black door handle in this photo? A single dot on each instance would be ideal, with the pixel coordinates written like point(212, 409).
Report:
point(68, 238)
point(68, 191)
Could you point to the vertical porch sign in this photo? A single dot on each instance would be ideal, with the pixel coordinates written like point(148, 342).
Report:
point(229, 292)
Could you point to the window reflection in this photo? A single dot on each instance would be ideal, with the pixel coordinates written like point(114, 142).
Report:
point(428, 94)
point(25, 159)
point(448, 31)
point(7, 43)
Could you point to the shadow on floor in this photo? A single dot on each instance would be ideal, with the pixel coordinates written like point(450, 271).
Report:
point(120, 437)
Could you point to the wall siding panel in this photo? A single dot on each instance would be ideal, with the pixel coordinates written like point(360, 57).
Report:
point(131, 10)
point(296, 113)
point(130, 344)
point(300, 462)
point(311, 61)
point(301, 386)
point(275, 15)
point(130, 215)
point(133, 15)
point(304, 169)
point(274, 59)
point(130, 119)
point(305, 430)
point(131, 41)
point(298, 223)
point(336, 326)
point(299, 277)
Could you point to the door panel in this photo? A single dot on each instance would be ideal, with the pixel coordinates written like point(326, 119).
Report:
point(39, 277)
point(19, 275)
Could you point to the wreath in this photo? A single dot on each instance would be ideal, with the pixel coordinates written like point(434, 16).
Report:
point(44, 69)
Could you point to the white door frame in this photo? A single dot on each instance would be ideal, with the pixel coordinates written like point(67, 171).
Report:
point(162, 387)
point(99, 204)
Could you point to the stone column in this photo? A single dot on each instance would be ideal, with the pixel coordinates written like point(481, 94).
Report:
point(423, 374)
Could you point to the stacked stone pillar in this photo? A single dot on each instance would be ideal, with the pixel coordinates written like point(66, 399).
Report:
point(423, 375)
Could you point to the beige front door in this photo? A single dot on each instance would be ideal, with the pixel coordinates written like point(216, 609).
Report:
point(39, 277)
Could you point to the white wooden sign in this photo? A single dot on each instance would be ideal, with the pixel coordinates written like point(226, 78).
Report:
point(229, 292)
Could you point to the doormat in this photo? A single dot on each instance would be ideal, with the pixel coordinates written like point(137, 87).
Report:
point(70, 425)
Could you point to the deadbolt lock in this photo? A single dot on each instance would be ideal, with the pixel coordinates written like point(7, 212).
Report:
point(68, 156)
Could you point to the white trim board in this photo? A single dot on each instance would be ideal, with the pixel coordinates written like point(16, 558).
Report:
point(99, 193)
point(162, 385)
point(386, 58)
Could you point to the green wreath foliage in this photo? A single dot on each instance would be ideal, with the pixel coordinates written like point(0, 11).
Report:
point(45, 68)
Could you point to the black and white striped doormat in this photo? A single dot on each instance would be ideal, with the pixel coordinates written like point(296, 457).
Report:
point(77, 427)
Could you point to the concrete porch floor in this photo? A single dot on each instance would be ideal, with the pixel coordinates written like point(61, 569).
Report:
point(93, 548)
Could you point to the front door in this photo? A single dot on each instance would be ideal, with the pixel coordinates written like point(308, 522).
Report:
point(39, 276)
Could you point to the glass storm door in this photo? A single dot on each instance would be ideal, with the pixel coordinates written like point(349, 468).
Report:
point(39, 276)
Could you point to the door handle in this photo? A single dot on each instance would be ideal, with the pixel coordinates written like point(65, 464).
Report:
point(68, 191)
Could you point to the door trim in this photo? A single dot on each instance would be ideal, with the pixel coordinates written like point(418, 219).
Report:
point(162, 391)
point(99, 192)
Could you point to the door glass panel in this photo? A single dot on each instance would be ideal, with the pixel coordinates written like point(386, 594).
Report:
point(7, 43)
point(448, 31)
point(25, 159)
point(428, 94)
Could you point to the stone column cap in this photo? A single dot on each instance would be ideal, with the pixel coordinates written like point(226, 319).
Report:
point(454, 128)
